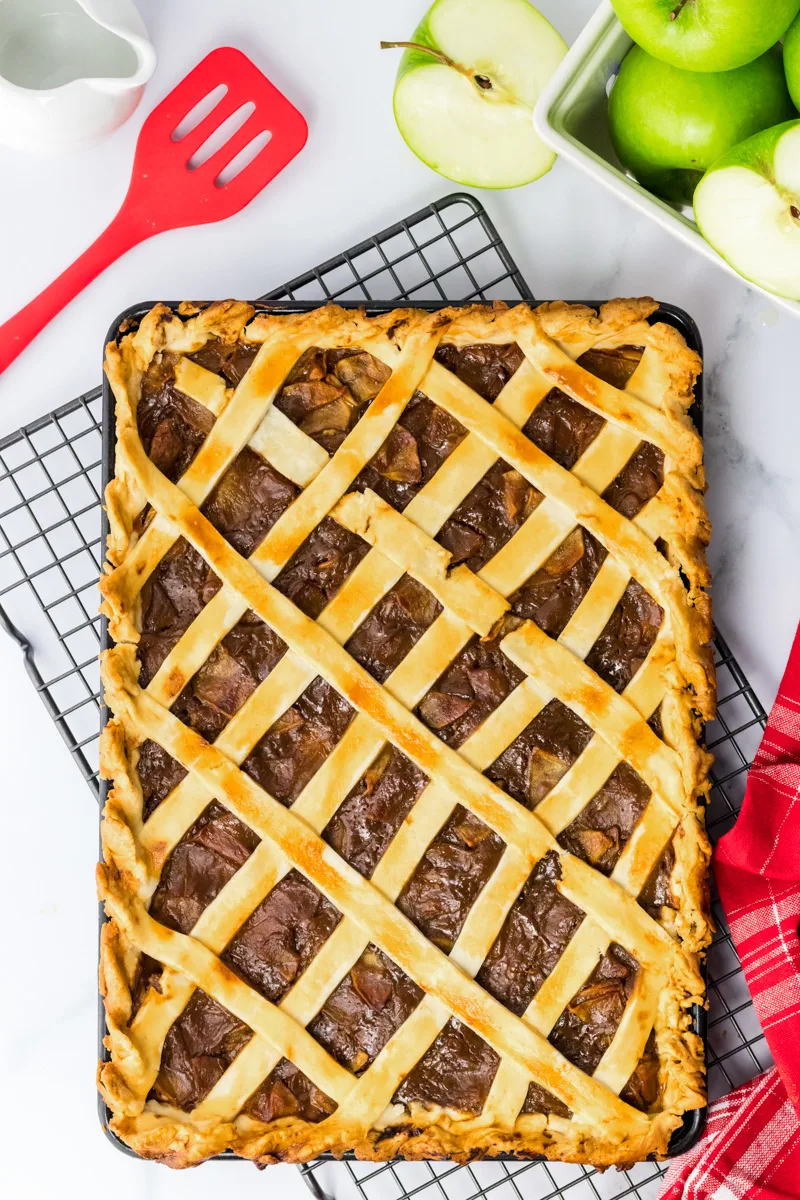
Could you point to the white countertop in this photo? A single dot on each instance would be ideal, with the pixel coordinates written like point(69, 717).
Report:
point(570, 238)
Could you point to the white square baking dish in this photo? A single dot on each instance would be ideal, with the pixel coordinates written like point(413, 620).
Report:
point(572, 117)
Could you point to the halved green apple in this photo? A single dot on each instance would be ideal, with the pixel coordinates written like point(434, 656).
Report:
point(747, 206)
point(466, 88)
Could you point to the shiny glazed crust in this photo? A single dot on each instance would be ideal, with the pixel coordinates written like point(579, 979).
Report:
point(677, 676)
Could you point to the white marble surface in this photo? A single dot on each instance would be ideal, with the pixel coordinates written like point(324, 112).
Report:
point(570, 239)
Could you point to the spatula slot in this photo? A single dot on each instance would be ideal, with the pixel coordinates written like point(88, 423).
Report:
point(243, 158)
point(199, 112)
point(222, 134)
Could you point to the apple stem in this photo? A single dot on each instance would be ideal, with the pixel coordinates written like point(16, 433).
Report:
point(481, 81)
point(676, 12)
point(437, 54)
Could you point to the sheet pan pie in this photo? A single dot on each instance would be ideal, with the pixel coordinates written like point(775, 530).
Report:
point(404, 852)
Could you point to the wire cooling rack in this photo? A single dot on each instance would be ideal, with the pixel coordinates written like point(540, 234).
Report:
point(50, 471)
point(50, 557)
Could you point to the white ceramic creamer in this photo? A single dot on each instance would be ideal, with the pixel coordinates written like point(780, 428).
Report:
point(71, 71)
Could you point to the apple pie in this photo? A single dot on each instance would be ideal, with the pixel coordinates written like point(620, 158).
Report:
point(403, 852)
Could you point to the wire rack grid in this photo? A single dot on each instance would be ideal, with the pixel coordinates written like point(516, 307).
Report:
point(50, 557)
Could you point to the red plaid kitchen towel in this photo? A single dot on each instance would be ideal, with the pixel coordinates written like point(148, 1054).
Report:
point(752, 1144)
point(749, 1149)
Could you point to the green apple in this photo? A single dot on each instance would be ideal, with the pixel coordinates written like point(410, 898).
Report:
point(668, 126)
point(466, 88)
point(748, 207)
point(791, 60)
point(706, 35)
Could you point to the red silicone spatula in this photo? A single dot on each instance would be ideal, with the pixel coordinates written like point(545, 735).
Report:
point(165, 192)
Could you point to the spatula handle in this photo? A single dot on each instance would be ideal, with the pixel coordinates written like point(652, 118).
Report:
point(20, 330)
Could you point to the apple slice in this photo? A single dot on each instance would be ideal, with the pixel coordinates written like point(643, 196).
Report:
point(466, 88)
point(748, 207)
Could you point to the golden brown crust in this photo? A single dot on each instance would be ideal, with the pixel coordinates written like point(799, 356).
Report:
point(677, 676)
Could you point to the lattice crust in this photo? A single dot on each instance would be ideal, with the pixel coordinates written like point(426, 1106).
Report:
point(556, 979)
